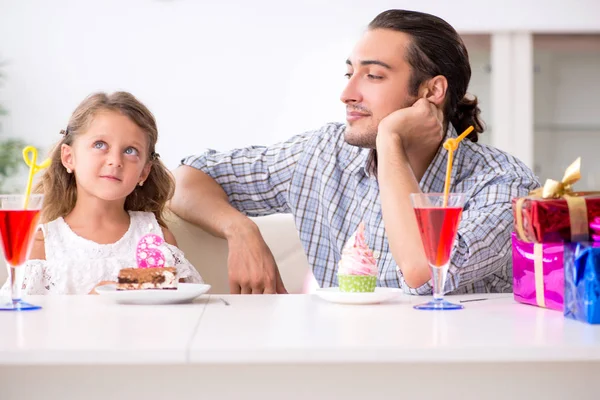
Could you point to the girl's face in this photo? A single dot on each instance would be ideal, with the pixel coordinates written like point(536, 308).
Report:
point(110, 159)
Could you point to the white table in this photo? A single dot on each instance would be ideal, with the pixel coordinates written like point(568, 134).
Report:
point(294, 347)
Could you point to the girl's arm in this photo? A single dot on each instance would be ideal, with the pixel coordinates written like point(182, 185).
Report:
point(38, 251)
point(169, 237)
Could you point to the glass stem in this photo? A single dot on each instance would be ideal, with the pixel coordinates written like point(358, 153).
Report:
point(438, 275)
point(15, 276)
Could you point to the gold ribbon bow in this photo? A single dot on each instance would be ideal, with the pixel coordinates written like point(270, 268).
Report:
point(561, 190)
point(555, 190)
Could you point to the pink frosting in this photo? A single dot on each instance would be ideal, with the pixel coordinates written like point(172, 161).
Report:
point(357, 258)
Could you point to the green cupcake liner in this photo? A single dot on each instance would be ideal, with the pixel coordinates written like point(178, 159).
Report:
point(357, 283)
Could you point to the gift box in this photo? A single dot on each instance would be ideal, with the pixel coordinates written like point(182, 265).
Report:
point(555, 213)
point(552, 220)
point(582, 282)
point(538, 273)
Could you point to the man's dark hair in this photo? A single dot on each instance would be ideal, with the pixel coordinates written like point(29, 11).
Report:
point(437, 49)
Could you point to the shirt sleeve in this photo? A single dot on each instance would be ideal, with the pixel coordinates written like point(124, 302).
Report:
point(482, 245)
point(256, 179)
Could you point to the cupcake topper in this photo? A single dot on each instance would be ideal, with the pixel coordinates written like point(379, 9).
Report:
point(147, 253)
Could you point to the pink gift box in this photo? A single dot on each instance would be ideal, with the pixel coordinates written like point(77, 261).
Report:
point(538, 273)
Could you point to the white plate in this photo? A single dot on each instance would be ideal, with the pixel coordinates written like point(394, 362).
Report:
point(380, 295)
point(185, 293)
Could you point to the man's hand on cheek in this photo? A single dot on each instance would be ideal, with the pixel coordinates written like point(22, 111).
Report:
point(417, 128)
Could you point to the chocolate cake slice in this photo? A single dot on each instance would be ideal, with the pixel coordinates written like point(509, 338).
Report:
point(147, 278)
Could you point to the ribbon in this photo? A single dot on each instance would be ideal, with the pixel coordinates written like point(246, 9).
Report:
point(561, 190)
point(538, 270)
point(555, 190)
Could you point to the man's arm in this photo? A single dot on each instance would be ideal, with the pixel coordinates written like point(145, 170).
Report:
point(482, 245)
point(200, 200)
point(218, 191)
point(396, 182)
point(400, 165)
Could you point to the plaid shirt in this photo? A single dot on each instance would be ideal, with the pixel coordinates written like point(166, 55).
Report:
point(330, 186)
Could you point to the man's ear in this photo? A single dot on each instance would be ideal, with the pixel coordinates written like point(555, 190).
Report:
point(434, 90)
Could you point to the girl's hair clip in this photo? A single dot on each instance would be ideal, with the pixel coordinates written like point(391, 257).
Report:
point(64, 132)
point(155, 156)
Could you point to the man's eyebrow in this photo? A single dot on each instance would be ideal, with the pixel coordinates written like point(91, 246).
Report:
point(371, 62)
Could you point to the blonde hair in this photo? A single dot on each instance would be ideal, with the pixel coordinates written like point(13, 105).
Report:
point(59, 187)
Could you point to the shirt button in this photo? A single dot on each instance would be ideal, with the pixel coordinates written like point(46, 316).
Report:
point(376, 255)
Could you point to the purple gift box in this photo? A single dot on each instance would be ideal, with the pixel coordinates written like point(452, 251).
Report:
point(538, 273)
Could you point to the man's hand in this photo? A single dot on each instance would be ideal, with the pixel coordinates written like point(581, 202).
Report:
point(419, 128)
point(251, 265)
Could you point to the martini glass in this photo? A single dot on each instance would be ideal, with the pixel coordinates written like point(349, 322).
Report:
point(17, 228)
point(438, 225)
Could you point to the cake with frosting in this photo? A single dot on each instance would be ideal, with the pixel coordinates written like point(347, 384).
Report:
point(151, 271)
point(147, 278)
point(357, 269)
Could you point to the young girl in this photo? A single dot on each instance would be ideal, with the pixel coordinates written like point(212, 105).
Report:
point(105, 188)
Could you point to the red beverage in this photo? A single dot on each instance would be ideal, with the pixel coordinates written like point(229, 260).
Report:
point(438, 226)
point(17, 228)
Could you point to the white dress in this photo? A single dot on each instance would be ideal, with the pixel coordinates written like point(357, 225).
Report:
point(75, 265)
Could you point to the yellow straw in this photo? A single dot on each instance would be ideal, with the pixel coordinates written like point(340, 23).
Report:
point(451, 145)
point(30, 154)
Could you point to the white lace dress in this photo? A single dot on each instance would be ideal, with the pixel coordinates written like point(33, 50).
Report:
point(75, 265)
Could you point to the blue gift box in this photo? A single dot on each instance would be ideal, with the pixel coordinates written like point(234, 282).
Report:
point(582, 281)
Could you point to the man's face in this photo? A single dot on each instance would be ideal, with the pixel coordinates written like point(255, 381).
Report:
point(378, 78)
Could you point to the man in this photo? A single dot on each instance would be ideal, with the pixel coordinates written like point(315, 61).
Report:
point(406, 93)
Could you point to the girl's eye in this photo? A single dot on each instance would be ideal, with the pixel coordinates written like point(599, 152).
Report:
point(99, 145)
point(131, 151)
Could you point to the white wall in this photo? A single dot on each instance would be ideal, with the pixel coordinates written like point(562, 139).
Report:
point(480, 86)
point(567, 119)
point(216, 73)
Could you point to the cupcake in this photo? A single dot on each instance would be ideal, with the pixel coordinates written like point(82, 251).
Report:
point(357, 270)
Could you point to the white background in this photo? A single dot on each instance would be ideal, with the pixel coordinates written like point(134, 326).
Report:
point(226, 73)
